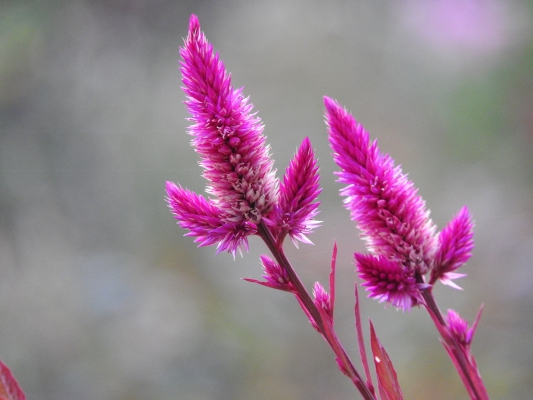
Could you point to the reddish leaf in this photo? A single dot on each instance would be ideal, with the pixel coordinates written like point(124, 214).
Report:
point(9, 388)
point(389, 388)
point(361, 342)
point(332, 282)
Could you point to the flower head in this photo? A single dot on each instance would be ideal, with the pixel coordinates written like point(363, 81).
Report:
point(391, 215)
point(227, 134)
point(228, 137)
point(298, 191)
point(386, 280)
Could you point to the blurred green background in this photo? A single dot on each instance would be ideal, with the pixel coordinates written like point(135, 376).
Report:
point(101, 296)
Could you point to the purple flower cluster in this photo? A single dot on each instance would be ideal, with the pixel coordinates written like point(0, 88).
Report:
point(393, 218)
point(406, 254)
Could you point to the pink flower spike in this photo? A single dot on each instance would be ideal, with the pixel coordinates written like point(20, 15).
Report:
point(275, 276)
point(386, 280)
point(226, 134)
point(322, 300)
point(297, 199)
point(391, 215)
point(456, 242)
point(202, 218)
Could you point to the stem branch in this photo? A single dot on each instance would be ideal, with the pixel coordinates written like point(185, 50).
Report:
point(323, 325)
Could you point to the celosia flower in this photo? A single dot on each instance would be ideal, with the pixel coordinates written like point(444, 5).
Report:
point(458, 328)
point(322, 300)
point(391, 215)
point(455, 248)
point(275, 276)
point(228, 137)
point(387, 280)
point(297, 207)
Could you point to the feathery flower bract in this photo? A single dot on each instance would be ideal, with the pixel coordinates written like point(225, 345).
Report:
point(203, 220)
point(227, 134)
point(298, 191)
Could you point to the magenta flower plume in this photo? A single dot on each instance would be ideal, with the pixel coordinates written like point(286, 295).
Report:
point(297, 207)
point(323, 300)
point(228, 137)
point(387, 280)
point(391, 215)
point(456, 242)
point(227, 134)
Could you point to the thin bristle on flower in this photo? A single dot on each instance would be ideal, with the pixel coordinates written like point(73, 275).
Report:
point(297, 206)
point(226, 134)
point(391, 215)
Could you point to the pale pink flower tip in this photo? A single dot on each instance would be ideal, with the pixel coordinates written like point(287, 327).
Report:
point(228, 137)
point(387, 280)
point(203, 220)
point(391, 215)
point(297, 206)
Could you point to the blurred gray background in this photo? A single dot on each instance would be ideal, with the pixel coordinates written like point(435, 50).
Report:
point(101, 296)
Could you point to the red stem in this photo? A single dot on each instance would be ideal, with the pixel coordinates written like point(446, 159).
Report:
point(323, 324)
point(470, 373)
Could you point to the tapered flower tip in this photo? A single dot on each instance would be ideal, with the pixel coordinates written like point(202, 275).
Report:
point(194, 23)
point(330, 104)
point(297, 206)
point(335, 110)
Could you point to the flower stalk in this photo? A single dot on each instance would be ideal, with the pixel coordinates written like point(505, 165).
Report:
point(401, 239)
point(322, 325)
